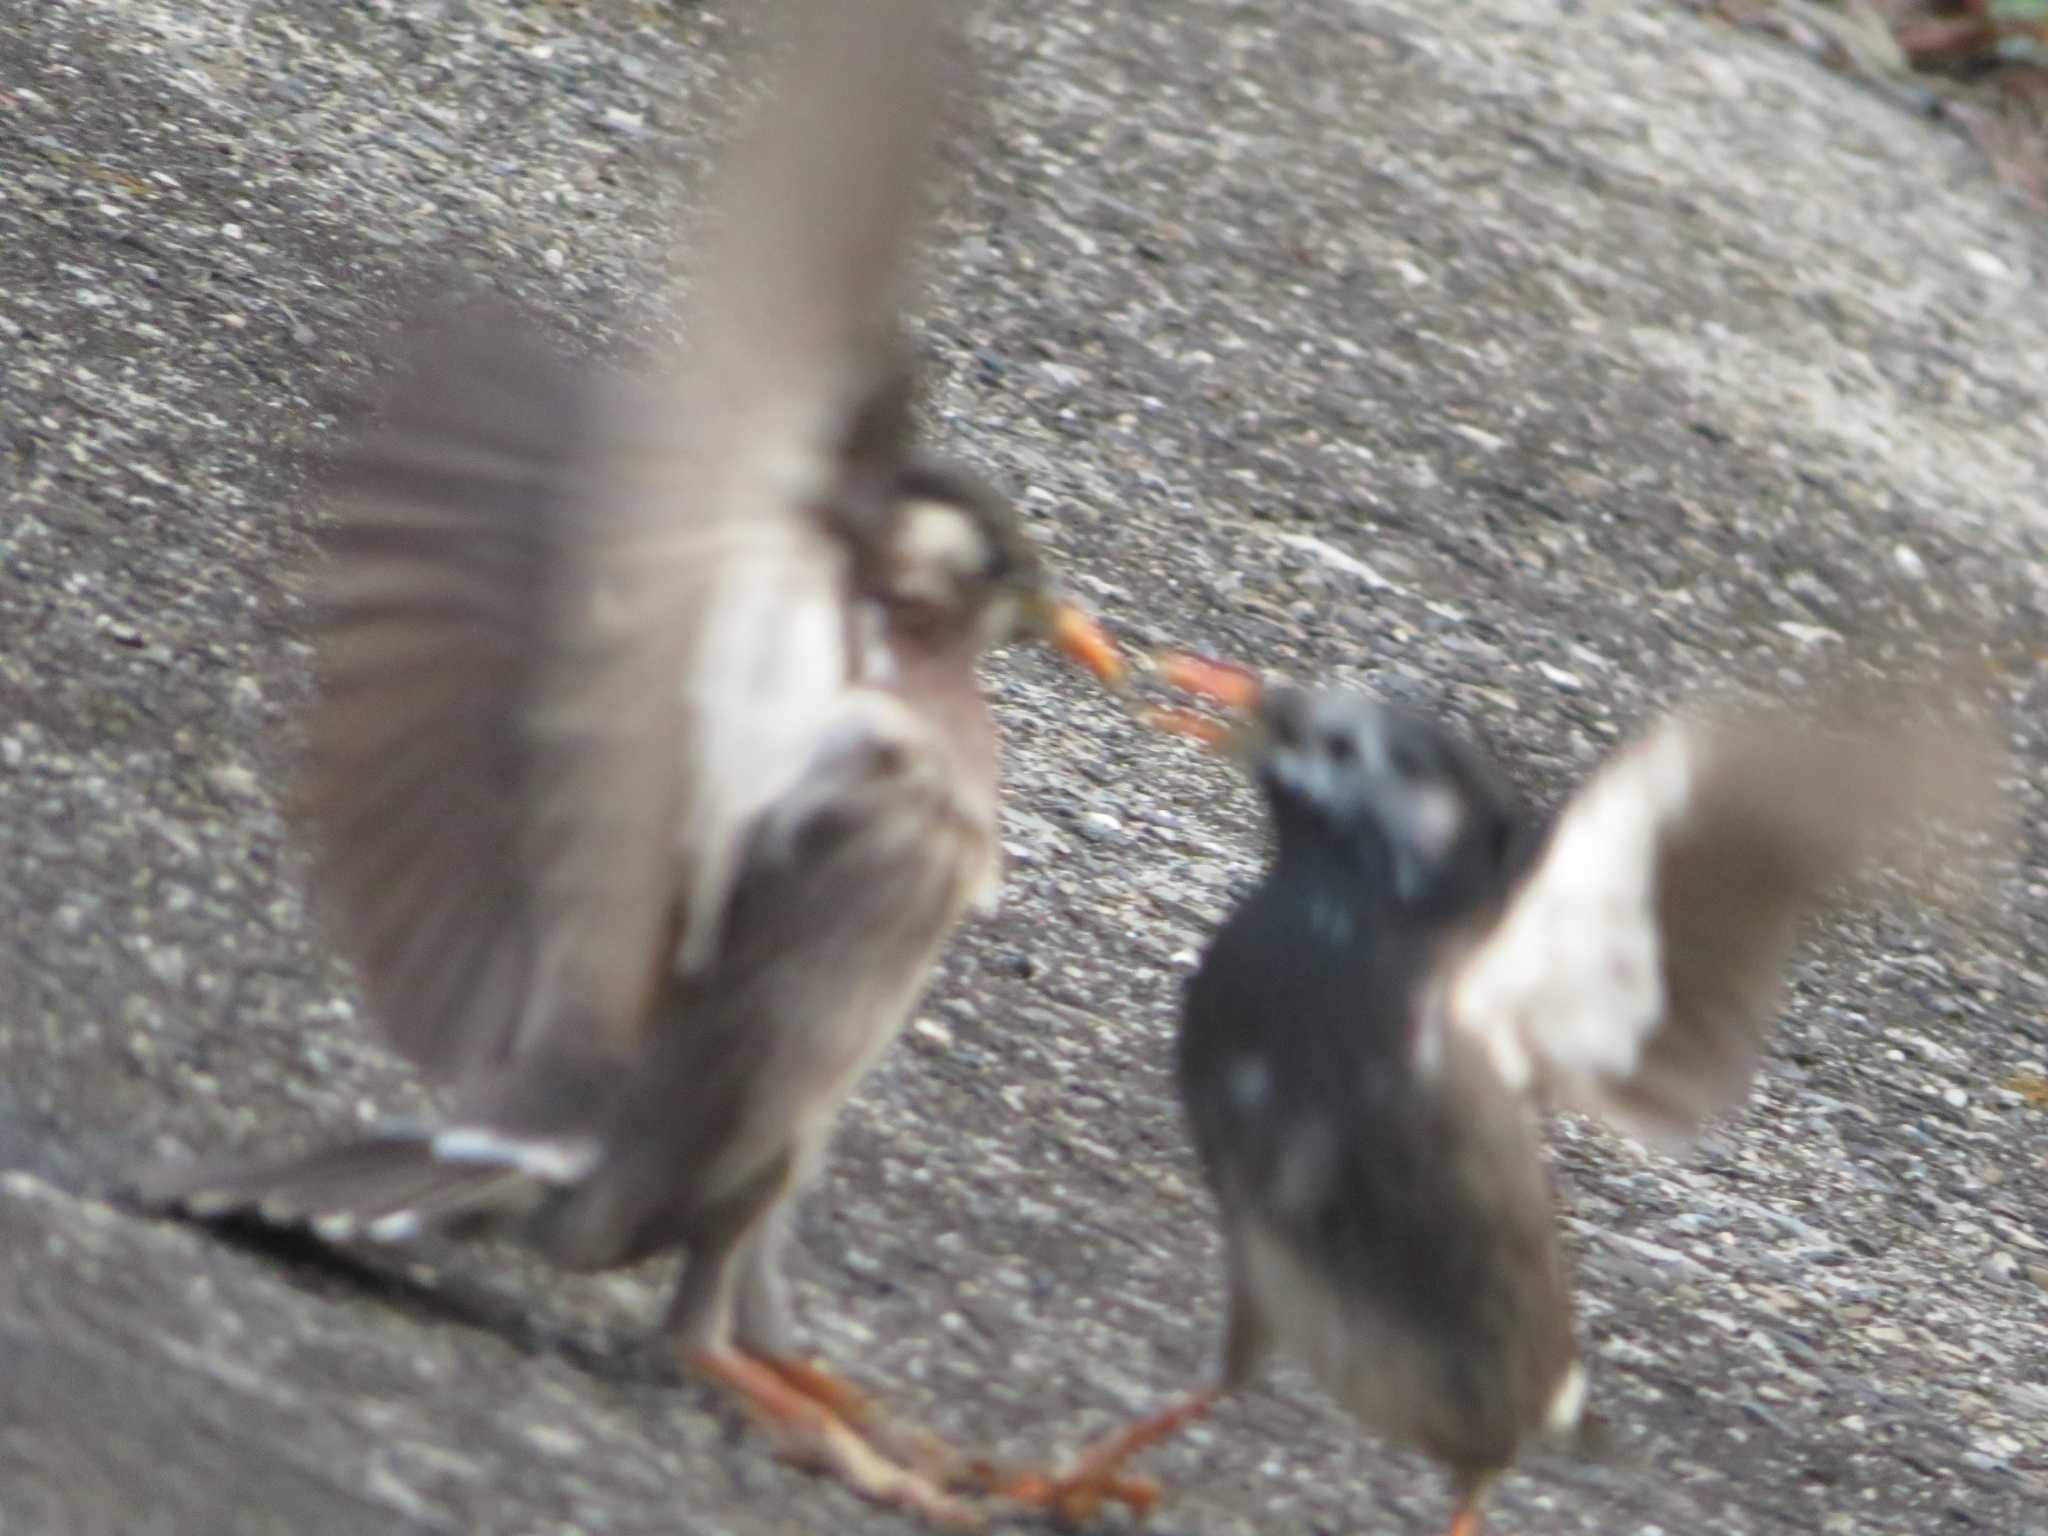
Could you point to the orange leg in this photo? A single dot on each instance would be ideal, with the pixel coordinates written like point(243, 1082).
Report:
point(815, 1419)
point(1471, 1494)
point(1074, 1496)
point(910, 1445)
point(841, 1399)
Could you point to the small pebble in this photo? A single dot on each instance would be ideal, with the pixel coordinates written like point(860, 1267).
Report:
point(1100, 827)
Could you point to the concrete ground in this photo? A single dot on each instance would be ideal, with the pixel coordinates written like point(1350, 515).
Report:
point(1545, 360)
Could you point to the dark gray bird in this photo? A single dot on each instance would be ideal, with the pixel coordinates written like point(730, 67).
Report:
point(649, 769)
point(1365, 1043)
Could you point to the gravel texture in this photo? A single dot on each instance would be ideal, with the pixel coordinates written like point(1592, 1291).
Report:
point(1543, 360)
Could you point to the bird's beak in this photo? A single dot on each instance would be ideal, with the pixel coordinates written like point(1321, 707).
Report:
point(1222, 683)
point(1078, 637)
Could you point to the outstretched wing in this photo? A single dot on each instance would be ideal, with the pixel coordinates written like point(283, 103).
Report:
point(1635, 967)
point(575, 636)
point(794, 404)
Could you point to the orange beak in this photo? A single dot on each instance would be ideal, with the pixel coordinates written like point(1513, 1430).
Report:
point(1221, 683)
point(1083, 641)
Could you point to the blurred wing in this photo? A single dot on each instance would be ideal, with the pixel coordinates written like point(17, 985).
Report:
point(575, 640)
point(797, 377)
point(1635, 967)
point(446, 551)
point(794, 416)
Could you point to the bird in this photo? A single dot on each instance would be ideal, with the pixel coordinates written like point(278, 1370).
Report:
point(648, 770)
point(1367, 1041)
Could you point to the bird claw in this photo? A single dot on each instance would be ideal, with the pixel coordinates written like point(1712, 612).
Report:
point(1076, 1497)
point(829, 1445)
point(829, 1426)
point(826, 1425)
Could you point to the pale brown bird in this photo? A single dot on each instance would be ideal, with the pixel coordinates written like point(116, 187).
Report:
point(1366, 1042)
point(649, 768)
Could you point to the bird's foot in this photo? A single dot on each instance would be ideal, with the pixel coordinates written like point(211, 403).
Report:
point(823, 1423)
point(1075, 1495)
point(910, 1445)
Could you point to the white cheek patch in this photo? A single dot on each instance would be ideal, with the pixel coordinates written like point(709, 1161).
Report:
point(1433, 818)
point(1427, 819)
point(1308, 777)
point(939, 543)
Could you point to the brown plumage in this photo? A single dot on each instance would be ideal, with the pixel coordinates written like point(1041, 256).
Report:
point(649, 769)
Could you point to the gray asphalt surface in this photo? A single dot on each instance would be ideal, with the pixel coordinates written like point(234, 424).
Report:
point(1542, 360)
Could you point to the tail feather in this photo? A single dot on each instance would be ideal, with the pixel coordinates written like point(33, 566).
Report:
point(386, 1188)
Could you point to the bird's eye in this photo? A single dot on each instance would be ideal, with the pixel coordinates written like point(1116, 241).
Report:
point(1342, 749)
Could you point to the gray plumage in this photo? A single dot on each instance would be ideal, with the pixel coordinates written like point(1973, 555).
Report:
point(1391, 1233)
point(1369, 1037)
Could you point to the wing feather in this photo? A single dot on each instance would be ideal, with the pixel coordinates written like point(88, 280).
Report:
point(1635, 968)
point(575, 635)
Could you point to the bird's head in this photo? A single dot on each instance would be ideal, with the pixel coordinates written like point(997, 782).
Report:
point(1394, 789)
point(951, 564)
